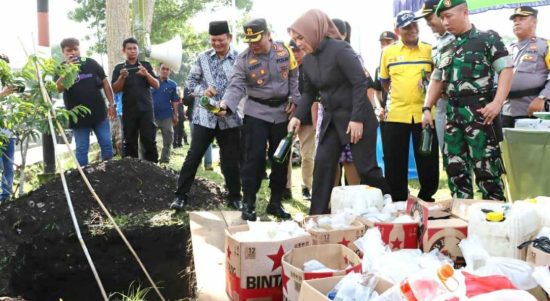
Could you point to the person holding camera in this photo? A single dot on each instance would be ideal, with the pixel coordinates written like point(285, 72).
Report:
point(86, 91)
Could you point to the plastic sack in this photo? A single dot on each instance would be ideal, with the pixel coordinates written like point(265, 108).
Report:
point(478, 285)
point(316, 266)
point(505, 295)
point(542, 276)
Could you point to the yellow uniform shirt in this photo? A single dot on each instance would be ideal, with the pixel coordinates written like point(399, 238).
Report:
point(402, 66)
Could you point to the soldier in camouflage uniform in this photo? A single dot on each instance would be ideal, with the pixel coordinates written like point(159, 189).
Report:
point(466, 72)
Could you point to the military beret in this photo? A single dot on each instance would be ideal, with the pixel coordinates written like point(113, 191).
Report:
point(447, 4)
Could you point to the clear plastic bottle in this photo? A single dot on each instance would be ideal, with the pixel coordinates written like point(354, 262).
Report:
point(429, 285)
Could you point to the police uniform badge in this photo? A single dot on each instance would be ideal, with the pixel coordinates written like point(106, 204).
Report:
point(527, 58)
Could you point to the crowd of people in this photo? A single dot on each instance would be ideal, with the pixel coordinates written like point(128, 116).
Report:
point(464, 89)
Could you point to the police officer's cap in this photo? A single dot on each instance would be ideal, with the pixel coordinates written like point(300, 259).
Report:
point(404, 18)
point(524, 11)
point(427, 9)
point(387, 35)
point(253, 30)
point(447, 4)
point(217, 28)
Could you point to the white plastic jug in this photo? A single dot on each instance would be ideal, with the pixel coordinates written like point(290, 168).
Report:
point(357, 198)
point(501, 238)
point(542, 207)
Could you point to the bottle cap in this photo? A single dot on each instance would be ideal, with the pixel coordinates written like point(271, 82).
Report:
point(495, 216)
point(445, 272)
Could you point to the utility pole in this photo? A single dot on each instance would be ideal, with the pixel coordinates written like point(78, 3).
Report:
point(48, 148)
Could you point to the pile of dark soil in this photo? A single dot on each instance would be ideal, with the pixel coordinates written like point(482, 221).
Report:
point(41, 259)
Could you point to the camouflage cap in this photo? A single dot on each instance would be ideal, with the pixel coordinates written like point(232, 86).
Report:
point(447, 4)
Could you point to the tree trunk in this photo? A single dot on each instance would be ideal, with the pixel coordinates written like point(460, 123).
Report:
point(24, 149)
point(117, 15)
point(148, 15)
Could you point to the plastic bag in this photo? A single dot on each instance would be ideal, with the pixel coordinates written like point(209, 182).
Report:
point(474, 253)
point(505, 295)
point(542, 276)
point(478, 285)
point(356, 287)
point(518, 271)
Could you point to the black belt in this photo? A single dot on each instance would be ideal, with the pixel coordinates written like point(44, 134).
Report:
point(471, 100)
point(273, 102)
point(523, 93)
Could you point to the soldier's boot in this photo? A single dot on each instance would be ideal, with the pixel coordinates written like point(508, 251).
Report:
point(249, 208)
point(275, 207)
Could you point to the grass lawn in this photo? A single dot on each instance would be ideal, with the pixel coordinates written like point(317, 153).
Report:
point(297, 204)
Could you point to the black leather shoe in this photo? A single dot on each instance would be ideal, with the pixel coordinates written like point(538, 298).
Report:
point(305, 194)
point(178, 203)
point(248, 213)
point(249, 208)
point(235, 204)
point(278, 211)
point(287, 194)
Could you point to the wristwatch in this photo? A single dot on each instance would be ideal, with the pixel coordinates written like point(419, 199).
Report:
point(546, 102)
point(426, 109)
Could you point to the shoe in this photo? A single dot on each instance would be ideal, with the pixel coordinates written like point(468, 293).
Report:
point(277, 210)
point(178, 203)
point(287, 194)
point(209, 167)
point(249, 209)
point(235, 204)
point(305, 194)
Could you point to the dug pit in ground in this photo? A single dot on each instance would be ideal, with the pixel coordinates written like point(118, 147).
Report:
point(41, 259)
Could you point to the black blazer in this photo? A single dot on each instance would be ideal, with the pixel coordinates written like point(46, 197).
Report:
point(335, 72)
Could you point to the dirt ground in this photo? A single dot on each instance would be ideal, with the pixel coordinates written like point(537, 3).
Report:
point(41, 258)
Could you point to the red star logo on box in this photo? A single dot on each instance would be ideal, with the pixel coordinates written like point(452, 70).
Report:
point(396, 244)
point(285, 281)
point(344, 242)
point(277, 258)
point(228, 252)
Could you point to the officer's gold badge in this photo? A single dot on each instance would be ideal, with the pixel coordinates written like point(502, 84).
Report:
point(249, 31)
point(447, 3)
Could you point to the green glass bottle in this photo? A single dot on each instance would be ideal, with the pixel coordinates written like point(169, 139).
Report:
point(426, 141)
point(283, 148)
point(209, 105)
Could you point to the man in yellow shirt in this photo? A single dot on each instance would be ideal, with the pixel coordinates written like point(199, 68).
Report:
point(401, 68)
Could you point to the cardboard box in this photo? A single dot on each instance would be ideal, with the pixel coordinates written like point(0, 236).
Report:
point(317, 289)
point(537, 257)
point(445, 234)
point(396, 235)
point(344, 236)
point(461, 207)
point(254, 269)
point(337, 257)
point(422, 210)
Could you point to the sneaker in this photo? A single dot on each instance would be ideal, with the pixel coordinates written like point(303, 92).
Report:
point(178, 203)
point(305, 194)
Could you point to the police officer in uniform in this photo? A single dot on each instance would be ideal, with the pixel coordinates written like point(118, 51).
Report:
point(467, 71)
point(267, 73)
point(531, 62)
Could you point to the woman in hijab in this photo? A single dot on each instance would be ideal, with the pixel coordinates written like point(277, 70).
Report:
point(333, 70)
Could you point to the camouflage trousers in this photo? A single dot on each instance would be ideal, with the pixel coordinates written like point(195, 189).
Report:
point(469, 144)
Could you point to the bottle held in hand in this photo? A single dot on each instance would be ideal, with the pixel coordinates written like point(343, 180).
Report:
point(426, 141)
point(209, 105)
point(283, 148)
